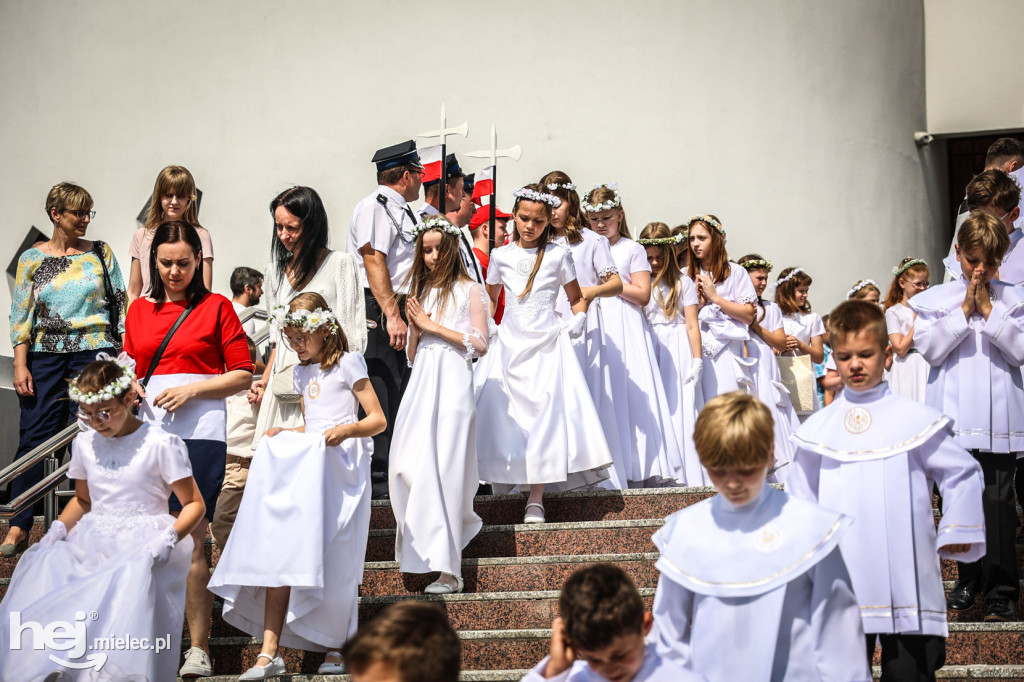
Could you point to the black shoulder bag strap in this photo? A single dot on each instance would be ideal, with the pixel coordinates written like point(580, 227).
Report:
point(158, 355)
point(113, 309)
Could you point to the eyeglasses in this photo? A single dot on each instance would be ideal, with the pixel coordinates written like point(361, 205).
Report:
point(82, 215)
point(294, 341)
point(920, 286)
point(103, 416)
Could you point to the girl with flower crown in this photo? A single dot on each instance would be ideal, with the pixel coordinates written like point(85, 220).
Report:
point(300, 589)
point(865, 290)
point(650, 449)
point(432, 473)
point(599, 280)
point(908, 375)
point(542, 429)
point(114, 553)
point(805, 332)
point(727, 303)
point(672, 315)
point(767, 337)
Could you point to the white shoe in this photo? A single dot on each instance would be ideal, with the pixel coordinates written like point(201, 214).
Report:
point(263, 672)
point(330, 667)
point(533, 517)
point(439, 586)
point(197, 664)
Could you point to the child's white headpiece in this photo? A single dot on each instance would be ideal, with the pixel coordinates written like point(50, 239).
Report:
point(614, 202)
point(436, 222)
point(533, 195)
point(114, 389)
point(860, 285)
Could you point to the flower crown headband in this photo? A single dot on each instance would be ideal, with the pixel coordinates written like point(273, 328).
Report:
point(791, 275)
point(662, 241)
point(757, 264)
point(436, 223)
point(533, 195)
point(707, 220)
point(112, 390)
point(860, 285)
point(614, 202)
point(307, 321)
point(570, 186)
point(900, 269)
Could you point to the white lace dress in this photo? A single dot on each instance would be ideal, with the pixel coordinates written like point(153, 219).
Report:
point(650, 450)
point(675, 358)
point(909, 374)
point(722, 337)
point(104, 569)
point(304, 519)
point(770, 389)
point(593, 260)
point(432, 474)
point(538, 423)
point(338, 282)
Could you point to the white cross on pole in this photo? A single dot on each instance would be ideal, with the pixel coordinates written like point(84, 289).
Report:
point(494, 154)
point(443, 134)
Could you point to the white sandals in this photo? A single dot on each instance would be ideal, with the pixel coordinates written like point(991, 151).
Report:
point(533, 517)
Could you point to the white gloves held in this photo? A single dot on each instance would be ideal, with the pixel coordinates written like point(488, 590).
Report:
point(576, 325)
point(162, 545)
point(58, 531)
point(694, 374)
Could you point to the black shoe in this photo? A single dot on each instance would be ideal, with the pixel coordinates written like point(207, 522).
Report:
point(1000, 611)
point(961, 597)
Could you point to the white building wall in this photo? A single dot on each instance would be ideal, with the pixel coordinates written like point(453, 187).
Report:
point(793, 120)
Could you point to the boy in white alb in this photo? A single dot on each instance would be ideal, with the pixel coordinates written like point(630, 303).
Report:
point(753, 586)
point(876, 456)
point(971, 331)
point(600, 634)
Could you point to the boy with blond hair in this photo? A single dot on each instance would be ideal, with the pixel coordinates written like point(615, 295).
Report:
point(753, 586)
point(876, 456)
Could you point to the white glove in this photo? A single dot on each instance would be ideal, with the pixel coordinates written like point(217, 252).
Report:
point(162, 545)
point(695, 373)
point(58, 531)
point(576, 325)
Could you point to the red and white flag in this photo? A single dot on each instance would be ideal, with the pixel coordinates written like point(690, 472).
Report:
point(484, 186)
point(430, 157)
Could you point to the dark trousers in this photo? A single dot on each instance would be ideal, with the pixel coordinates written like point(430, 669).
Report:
point(44, 414)
point(909, 658)
point(996, 573)
point(389, 372)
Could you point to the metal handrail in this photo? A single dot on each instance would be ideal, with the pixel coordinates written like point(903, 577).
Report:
point(54, 475)
point(256, 311)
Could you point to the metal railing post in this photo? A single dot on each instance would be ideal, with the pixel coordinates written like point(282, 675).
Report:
point(50, 501)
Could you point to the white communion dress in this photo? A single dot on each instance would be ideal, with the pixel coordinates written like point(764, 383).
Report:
point(770, 389)
point(650, 450)
point(432, 474)
point(592, 258)
point(304, 519)
point(538, 423)
point(103, 577)
point(672, 349)
point(722, 337)
point(909, 374)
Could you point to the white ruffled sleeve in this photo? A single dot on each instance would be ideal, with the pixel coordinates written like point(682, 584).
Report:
point(76, 469)
point(172, 457)
point(353, 368)
point(475, 340)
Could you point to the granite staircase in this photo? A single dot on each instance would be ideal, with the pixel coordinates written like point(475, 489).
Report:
point(513, 573)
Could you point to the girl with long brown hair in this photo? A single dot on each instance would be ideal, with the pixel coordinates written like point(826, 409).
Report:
point(540, 426)
point(432, 474)
point(909, 373)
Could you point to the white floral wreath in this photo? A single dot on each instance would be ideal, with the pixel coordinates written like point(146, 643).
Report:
point(436, 223)
point(860, 285)
point(662, 241)
point(614, 202)
point(707, 220)
point(570, 186)
point(791, 275)
point(307, 321)
point(757, 264)
point(533, 195)
point(900, 269)
point(112, 390)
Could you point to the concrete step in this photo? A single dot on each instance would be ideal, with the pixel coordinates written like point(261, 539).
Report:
point(969, 644)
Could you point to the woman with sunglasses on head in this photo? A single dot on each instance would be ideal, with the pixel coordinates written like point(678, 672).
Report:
point(68, 303)
point(206, 359)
